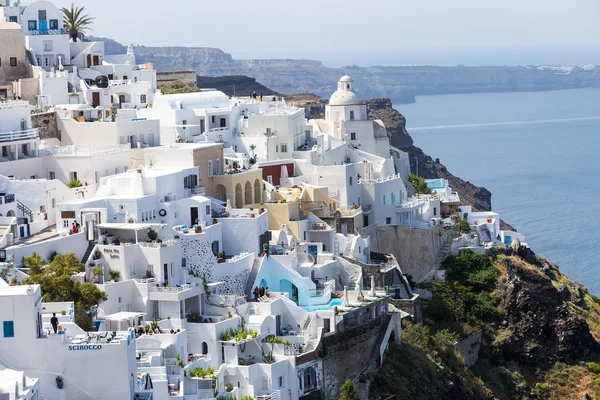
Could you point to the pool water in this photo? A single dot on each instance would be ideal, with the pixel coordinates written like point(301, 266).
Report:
point(328, 306)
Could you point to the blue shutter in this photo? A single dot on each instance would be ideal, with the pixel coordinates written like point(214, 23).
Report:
point(9, 329)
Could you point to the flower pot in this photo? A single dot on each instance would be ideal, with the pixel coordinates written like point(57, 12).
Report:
point(198, 229)
point(60, 384)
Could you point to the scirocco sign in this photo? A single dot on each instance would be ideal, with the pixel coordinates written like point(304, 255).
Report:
point(85, 347)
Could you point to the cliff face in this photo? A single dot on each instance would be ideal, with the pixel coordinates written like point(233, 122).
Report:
point(401, 83)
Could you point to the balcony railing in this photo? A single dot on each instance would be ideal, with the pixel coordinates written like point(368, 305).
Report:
point(319, 226)
point(176, 289)
point(14, 136)
point(6, 198)
point(367, 208)
point(83, 150)
point(13, 104)
point(60, 31)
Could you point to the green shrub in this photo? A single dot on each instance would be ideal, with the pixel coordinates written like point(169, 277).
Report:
point(419, 184)
point(593, 367)
point(74, 183)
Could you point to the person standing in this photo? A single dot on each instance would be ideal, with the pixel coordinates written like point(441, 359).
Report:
point(256, 293)
point(54, 322)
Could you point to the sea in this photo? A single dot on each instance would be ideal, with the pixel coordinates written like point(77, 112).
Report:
point(537, 152)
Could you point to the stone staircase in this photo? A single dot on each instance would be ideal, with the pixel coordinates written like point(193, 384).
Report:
point(443, 253)
point(252, 277)
point(307, 323)
point(362, 389)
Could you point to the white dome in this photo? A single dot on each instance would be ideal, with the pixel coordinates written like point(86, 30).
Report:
point(346, 78)
point(344, 98)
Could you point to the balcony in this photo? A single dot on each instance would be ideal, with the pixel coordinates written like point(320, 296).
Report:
point(40, 32)
point(29, 134)
point(6, 198)
point(177, 293)
point(367, 208)
point(83, 150)
point(12, 104)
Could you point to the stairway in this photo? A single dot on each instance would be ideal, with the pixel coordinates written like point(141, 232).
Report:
point(362, 390)
point(25, 210)
point(311, 345)
point(252, 277)
point(443, 253)
point(307, 323)
point(88, 252)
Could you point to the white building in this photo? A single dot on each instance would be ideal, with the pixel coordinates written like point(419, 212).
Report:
point(15, 385)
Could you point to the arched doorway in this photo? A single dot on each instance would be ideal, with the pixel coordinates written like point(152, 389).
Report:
point(11, 213)
point(239, 199)
point(285, 286)
point(248, 193)
point(258, 191)
point(204, 348)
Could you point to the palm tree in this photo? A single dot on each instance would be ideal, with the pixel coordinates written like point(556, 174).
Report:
point(253, 147)
point(75, 21)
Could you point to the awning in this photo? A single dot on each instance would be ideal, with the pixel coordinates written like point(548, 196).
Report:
point(216, 201)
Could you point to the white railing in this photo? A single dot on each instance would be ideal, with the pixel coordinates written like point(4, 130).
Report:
point(177, 289)
point(241, 256)
point(83, 150)
point(220, 129)
point(154, 245)
point(28, 134)
point(379, 180)
point(11, 104)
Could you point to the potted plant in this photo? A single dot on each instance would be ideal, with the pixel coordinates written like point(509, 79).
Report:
point(197, 221)
point(97, 254)
point(152, 234)
point(221, 258)
point(197, 229)
point(114, 274)
point(176, 237)
point(59, 382)
point(215, 221)
point(266, 249)
point(251, 215)
point(63, 312)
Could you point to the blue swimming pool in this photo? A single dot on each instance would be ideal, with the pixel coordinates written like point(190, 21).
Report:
point(328, 306)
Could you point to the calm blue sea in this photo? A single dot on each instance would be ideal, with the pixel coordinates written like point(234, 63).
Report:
point(538, 155)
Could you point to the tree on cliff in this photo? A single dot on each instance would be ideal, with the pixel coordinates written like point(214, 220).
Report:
point(56, 280)
point(75, 21)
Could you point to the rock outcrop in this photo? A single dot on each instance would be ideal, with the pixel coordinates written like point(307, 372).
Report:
point(540, 328)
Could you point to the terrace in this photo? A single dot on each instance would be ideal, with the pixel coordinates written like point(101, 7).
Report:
point(15, 136)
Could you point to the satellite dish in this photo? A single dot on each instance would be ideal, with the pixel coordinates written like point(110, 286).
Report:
point(102, 81)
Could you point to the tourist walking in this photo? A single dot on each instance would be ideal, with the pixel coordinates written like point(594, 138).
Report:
point(54, 322)
point(256, 293)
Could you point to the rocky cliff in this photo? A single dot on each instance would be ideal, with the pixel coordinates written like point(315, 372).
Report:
point(400, 83)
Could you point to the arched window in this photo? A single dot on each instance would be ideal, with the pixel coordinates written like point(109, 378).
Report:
point(350, 181)
point(204, 348)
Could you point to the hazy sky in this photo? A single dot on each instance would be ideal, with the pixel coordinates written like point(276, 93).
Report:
point(344, 32)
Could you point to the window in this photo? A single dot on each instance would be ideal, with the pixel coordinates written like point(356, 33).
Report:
point(210, 168)
point(124, 77)
point(65, 224)
point(53, 202)
point(270, 179)
point(8, 328)
point(13, 61)
point(119, 299)
point(384, 199)
point(350, 181)
point(212, 119)
point(218, 166)
point(32, 25)
point(281, 381)
point(132, 269)
point(46, 61)
point(353, 136)
point(207, 210)
point(351, 114)
point(53, 24)
point(388, 221)
point(116, 170)
point(72, 175)
point(12, 18)
point(51, 175)
point(142, 98)
point(183, 262)
point(111, 77)
point(223, 123)
point(42, 15)
point(42, 209)
point(277, 149)
point(47, 45)
point(97, 176)
point(0, 62)
point(434, 211)
point(105, 172)
point(284, 148)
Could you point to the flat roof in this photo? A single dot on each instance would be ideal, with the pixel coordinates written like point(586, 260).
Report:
point(128, 227)
point(20, 290)
point(124, 315)
point(185, 146)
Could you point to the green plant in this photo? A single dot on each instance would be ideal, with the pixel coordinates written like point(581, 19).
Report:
point(593, 367)
point(253, 333)
point(74, 183)
point(59, 378)
point(195, 318)
point(246, 397)
point(348, 391)
point(52, 255)
point(152, 234)
point(221, 254)
point(149, 274)
point(179, 361)
point(229, 387)
point(464, 226)
point(287, 343)
point(419, 184)
point(97, 254)
point(355, 206)
point(176, 237)
point(114, 274)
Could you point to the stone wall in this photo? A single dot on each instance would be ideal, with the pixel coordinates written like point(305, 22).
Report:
point(164, 77)
point(415, 250)
point(46, 123)
point(412, 307)
point(469, 348)
point(347, 353)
